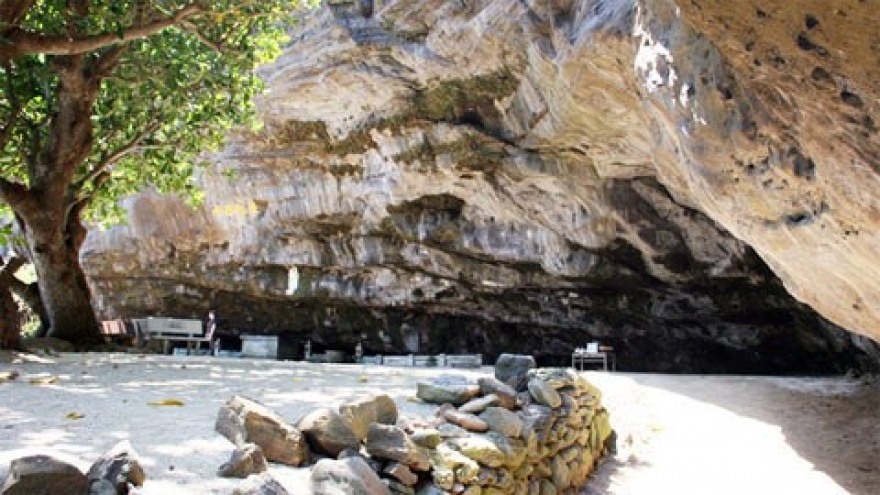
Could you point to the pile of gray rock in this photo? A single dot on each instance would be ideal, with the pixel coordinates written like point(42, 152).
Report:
point(524, 431)
point(118, 471)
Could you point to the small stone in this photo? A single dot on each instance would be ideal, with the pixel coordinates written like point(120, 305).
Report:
point(397, 488)
point(454, 389)
point(349, 476)
point(442, 409)
point(543, 393)
point(244, 461)
point(430, 489)
point(463, 468)
point(349, 452)
point(104, 487)
point(449, 430)
point(260, 484)
point(548, 488)
point(426, 437)
point(467, 421)
point(561, 473)
point(503, 421)
point(480, 449)
point(401, 473)
point(557, 378)
point(493, 386)
point(513, 449)
point(478, 404)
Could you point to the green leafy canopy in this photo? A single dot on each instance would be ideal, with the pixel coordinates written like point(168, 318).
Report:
point(169, 96)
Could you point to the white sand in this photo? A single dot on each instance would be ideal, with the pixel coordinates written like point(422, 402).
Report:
point(677, 434)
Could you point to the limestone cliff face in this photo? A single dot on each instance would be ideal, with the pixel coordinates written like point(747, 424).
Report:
point(506, 175)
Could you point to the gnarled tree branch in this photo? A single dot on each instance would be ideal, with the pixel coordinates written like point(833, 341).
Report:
point(18, 42)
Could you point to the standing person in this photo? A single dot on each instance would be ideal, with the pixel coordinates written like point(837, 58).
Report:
point(210, 331)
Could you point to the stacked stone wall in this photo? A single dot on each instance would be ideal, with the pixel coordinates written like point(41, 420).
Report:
point(523, 431)
point(547, 440)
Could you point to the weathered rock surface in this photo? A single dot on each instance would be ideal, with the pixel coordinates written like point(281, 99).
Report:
point(349, 476)
point(505, 176)
point(503, 421)
point(490, 385)
point(242, 420)
point(361, 412)
point(543, 393)
point(327, 432)
point(479, 404)
point(43, 475)
point(119, 466)
point(392, 443)
point(513, 370)
point(262, 484)
point(243, 462)
point(452, 389)
point(467, 421)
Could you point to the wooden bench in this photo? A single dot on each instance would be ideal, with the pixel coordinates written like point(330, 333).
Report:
point(169, 330)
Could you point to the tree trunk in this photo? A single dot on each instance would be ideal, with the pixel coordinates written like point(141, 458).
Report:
point(29, 293)
point(63, 288)
point(10, 321)
point(31, 296)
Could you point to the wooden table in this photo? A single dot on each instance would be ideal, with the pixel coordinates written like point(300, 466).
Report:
point(580, 359)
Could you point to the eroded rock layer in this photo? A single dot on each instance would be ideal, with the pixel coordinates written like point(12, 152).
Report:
point(506, 176)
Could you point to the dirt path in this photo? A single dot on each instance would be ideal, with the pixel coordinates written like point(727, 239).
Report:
point(677, 434)
point(740, 435)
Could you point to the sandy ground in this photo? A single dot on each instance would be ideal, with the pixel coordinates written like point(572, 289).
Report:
point(676, 434)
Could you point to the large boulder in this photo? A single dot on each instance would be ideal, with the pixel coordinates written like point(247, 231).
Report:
point(44, 475)
point(327, 432)
point(243, 420)
point(392, 443)
point(513, 370)
point(362, 412)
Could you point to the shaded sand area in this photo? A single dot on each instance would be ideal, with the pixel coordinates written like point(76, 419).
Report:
point(676, 434)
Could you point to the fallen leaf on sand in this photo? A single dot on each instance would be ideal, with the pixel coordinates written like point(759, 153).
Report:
point(44, 380)
point(8, 376)
point(74, 415)
point(166, 402)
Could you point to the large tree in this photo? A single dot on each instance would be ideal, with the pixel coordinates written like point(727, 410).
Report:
point(99, 98)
